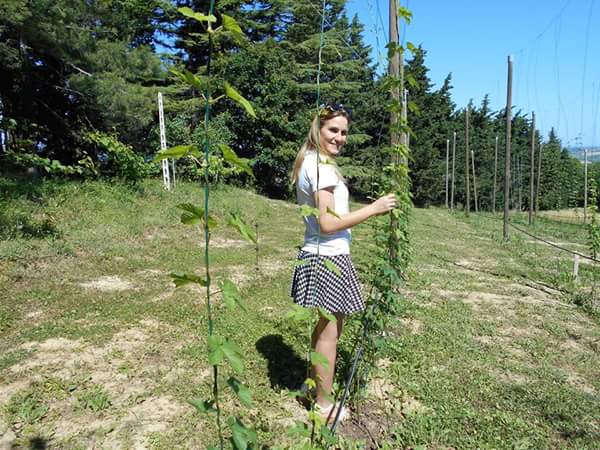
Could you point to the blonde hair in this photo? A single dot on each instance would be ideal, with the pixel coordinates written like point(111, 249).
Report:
point(312, 142)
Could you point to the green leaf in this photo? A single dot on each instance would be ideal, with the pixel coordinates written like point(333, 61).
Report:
point(215, 349)
point(307, 210)
point(192, 80)
point(189, 12)
point(301, 262)
point(411, 81)
point(202, 406)
point(333, 213)
point(411, 47)
point(240, 434)
point(413, 108)
point(234, 356)
point(317, 358)
point(236, 97)
point(329, 265)
point(236, 222)
point(231, 295)
point(310, 383)
point(299, 429)
point(193, 215)
point(405, 13)
point(327, 315)
point(232, 26)
point(181, 279)
point(233, 159)
point(177, 152)
point(299, 313)
point(294, 394)
point(242, 391)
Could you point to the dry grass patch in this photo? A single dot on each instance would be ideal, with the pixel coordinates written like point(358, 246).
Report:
point(108, 284)
point(125, 370)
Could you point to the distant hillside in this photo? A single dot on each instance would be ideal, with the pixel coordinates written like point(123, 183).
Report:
point(593, 153)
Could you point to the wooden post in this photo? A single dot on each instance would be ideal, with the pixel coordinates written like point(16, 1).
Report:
point(467, 187)
point(474, 181)
point(394, 71)
point(163, 143)
point(532, 171)
point(453, 172)
point(404, 137)
point(507, 158)
point(447, 158)
point(495, 175)
point(539, 174)
point(519, 181)
point(585, 185)
point(575, 267)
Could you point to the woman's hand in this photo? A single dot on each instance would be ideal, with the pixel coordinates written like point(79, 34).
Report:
point(384, 204)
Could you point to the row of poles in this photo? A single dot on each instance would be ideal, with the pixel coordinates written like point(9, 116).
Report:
point(534, 188)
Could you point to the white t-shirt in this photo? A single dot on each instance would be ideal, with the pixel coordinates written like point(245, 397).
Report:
point(337, 243)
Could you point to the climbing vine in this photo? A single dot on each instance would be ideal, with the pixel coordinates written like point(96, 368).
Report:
point(220, 349)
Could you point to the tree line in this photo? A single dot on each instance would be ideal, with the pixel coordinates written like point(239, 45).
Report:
point(79, 82)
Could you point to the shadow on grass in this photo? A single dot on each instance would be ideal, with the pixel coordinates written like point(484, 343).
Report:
point(286, 368)
point(38, 443)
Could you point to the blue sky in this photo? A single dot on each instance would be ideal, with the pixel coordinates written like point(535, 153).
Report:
point(554, 44)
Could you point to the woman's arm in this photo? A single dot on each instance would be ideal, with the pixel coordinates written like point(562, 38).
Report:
point(332, 224)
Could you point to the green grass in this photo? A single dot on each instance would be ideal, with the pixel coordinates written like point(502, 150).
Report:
point(99, 347)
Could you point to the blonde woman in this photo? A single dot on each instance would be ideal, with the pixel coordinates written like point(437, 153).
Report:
point(320, 184)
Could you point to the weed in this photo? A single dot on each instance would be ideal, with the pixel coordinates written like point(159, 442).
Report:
point(94, 398)
point(28, 407)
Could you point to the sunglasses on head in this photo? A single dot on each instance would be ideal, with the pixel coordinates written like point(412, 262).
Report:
point(334, 107)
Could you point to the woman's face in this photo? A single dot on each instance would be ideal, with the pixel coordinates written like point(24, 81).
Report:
point(333, 135)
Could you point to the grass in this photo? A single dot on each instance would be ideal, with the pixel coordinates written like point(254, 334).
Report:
point(99, 347)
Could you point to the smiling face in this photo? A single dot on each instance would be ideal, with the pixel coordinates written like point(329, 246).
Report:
point(333, 135)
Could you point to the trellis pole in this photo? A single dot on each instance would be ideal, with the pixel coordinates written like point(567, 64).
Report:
point(447, 158)
point(467, 187)
point(453, 172)
point(495, 176)
point(539, 175)
point(163, 143)
point(474, 181)
point(507, 164)
point(532, 172)
point(585, 185)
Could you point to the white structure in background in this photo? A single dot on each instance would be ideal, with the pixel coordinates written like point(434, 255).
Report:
point(586, 153)
point(163, 146)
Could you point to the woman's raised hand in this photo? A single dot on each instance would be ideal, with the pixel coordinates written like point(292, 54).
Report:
point(384, 204)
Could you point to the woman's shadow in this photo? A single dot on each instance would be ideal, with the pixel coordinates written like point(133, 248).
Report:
point(287, 370)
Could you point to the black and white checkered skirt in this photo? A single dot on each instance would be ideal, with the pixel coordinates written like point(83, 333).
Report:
point(316, 285)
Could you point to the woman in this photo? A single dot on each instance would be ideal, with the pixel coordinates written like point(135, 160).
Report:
point(316, 285)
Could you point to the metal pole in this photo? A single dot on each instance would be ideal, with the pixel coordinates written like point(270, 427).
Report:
point(163, 143)
point(447, 160)
point(495, 176)
point(507, 159)
point(532, 171)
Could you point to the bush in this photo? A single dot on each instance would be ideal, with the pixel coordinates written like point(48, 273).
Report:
point(116, 158)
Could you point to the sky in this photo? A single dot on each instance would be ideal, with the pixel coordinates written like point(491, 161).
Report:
point(554, 45)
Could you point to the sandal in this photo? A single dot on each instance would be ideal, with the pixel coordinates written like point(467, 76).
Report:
point(328, 413)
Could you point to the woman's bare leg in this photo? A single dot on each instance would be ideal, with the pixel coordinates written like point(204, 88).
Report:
point(324, 340)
